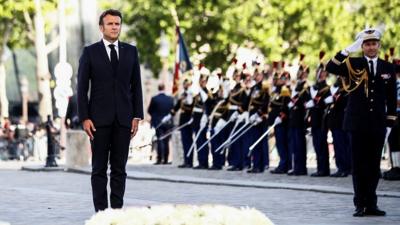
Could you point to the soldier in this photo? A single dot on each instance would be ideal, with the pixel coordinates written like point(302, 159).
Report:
point(185, 105)
point(337, 101)
point(238, 103)
point(201, 110)
point(258, 109)
point(278, 114)
point(297, 127)
point(371, 107)
point(394, 137)
point(319, 129)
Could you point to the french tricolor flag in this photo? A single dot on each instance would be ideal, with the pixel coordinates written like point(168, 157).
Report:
point(182, 60)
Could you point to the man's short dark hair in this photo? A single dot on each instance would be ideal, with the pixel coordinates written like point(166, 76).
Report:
point(112, 12)
point(161, 87)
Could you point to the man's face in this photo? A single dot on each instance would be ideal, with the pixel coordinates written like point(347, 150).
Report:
point(322, 76)
point(111, 27)
point(186, 85)
point(258, 77)
point(371, 48)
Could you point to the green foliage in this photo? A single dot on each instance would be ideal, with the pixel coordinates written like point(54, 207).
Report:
point(281, 29)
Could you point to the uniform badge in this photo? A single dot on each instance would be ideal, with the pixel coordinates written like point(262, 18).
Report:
point(385, 76)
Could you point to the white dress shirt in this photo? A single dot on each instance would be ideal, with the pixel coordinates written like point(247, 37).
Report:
point(108, 49)
point(374, 61)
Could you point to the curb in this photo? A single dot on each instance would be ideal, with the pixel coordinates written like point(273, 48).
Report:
point(235, 183)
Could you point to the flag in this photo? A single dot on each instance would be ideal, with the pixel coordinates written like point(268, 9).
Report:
point(182, 61)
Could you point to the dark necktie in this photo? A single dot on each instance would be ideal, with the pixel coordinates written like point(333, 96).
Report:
point(114, 57)
point(371, 67)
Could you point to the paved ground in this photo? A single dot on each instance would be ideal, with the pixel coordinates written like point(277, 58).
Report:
point(65, 198)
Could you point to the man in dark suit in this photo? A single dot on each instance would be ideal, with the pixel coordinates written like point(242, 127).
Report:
point(111, 114)
point(160, 106)
point(371, 108)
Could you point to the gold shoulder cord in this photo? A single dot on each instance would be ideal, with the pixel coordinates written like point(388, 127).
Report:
point(357, 77)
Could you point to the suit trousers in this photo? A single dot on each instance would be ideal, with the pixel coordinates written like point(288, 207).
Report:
point(319, 138)
point(342, 150)
point(110, 144)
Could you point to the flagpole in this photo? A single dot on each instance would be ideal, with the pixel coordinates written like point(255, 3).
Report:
point(175, 85)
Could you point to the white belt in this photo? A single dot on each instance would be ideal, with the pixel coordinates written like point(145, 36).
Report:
point(198, 110)
point(233, 107)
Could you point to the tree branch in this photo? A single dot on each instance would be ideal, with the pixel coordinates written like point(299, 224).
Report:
point(31, 30)
point(53, 44)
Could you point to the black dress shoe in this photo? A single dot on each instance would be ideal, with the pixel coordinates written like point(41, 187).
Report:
point(319, 174)
point(215, 168)
point(374, 211)
point(157, 163)
point(278, 171)
point(199, 167)
point(166, 163)
point(359, 212)
point(255, 170)
point(234, 168)
point(339, 174)
point(392, 174)
point(293, 173)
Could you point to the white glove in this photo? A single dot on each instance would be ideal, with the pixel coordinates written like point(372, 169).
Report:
point(313, 92)
point(290, 105)
point(166, 118)
point(244, 117)
point(353, 47)
point(255, 118)
point(329, 99)
point(334, 89)
point(203, 95)
point(309, 104)
point(278, 120)
point(234, 116)
point(203, 120)
point(219, 125)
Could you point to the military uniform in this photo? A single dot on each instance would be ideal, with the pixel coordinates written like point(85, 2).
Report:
point(370, 108)
point(319, 129)
point(259, 101)
point(297, 128)
point(185, 105)
point(341, 140)
point(278, 108)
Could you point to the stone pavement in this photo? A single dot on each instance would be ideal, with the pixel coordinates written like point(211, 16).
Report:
point(60, 198)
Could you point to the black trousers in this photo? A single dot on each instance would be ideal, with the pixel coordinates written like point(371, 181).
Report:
point(162, 145)
point(366, 148)
point(110, 144)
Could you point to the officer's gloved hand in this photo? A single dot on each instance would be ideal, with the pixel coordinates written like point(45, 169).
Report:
point(234, 116)
point(314, 92)
point(309, 104)
point(356, 46)
point(203, 120)
point(278, 120)
point(166, 118)
point(329, 99)
point(255, 118)
point(244, 117)
point(221, 123)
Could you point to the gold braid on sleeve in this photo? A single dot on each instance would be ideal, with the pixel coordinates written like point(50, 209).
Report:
point(355, 76)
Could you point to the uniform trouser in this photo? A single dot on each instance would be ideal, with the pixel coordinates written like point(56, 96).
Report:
point(218, 157)
point(260, 152)
point(282, 144)
point(342, 150)
point(297, 146)
point(320, 143)
point(394, 137)
point(366, 147)
point(110, 143)
point(162, 145)
point(239, 150)
point(187, 140)
point(202, 156)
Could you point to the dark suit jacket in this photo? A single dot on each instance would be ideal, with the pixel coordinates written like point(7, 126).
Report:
point(378, 109)
point(160, 106)
point(113, 94)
